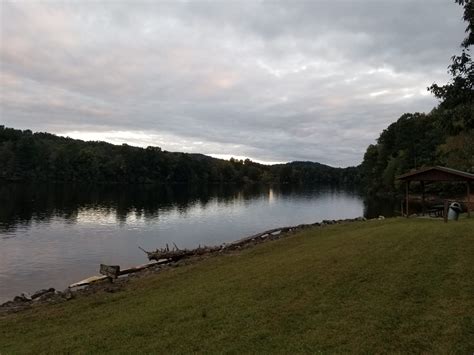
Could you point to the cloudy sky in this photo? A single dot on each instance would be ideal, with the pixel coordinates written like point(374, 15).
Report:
point(273, 81)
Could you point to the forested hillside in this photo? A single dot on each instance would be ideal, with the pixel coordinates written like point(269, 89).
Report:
point(28, 156)
point(445, 136)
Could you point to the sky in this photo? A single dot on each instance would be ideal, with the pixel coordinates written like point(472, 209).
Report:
point(274, 81)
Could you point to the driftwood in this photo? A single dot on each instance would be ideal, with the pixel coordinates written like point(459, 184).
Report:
point(114, 271)
point(141, 267)
point(88, 281)
point(166, 254)
point(263, 235)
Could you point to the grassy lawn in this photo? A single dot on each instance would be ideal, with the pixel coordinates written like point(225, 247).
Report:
point(380, 286)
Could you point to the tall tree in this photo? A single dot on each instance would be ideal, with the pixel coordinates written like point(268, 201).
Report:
point(444, 136)
point(457, 97)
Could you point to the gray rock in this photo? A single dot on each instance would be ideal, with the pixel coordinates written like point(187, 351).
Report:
point(67, 294)
point(21, 298)
point(40, 293)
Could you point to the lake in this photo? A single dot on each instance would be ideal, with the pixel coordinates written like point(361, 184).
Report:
point(54, 235)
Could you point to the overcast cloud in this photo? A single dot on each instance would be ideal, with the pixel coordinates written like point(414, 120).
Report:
point(273, 81)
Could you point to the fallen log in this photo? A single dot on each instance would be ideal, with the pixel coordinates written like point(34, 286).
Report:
point(176, 253)
point(262, 235)
point(138, 268)
point(88, 281)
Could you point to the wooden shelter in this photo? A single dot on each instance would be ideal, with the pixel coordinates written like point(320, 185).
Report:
point(436, 174)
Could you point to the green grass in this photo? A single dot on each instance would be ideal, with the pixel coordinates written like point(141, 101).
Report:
point(379, 286)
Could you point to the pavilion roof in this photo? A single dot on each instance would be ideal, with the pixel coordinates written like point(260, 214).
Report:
point(437, 173)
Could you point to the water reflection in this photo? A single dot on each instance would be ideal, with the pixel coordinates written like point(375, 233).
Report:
point(22, 204)
point(52, 235)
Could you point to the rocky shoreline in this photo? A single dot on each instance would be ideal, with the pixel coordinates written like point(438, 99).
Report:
point(111, 285)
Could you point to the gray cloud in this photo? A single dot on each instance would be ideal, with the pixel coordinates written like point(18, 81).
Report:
point(273, 81)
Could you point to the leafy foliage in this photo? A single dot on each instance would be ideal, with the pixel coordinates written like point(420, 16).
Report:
point(28, 156)
point(444, 136)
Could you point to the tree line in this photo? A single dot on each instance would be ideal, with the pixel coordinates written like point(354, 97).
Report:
point(28, 156)
point(444, 136)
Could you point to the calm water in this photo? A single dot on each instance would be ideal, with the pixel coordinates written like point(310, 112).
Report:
point(51, 236)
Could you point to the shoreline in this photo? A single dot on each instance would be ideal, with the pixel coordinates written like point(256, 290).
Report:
point(104, 283)
point(316, 286)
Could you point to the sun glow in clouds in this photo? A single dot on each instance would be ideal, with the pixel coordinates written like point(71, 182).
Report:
point(165, 141)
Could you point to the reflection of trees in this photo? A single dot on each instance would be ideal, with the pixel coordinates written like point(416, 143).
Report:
point(21, 204)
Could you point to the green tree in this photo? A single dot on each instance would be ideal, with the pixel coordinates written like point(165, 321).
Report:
point(458, 151)
point(457, 96)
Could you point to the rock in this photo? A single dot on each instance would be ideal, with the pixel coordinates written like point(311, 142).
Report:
point(13, 306)
point(42, 292)
point(46, 296)
point(111, 289)
point(20, 299)
point(381, 218)
point(6, 304)
point(18, 303)
point(67, 294)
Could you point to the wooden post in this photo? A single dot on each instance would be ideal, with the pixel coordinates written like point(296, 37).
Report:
point(112, 271)
point(445, 213)
point(407, 186)
point(468, 204)
point(423, 197)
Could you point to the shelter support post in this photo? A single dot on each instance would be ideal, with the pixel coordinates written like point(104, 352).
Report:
point(407, 187)
point(423, 197)
point(468, 199)
point(445, 212)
